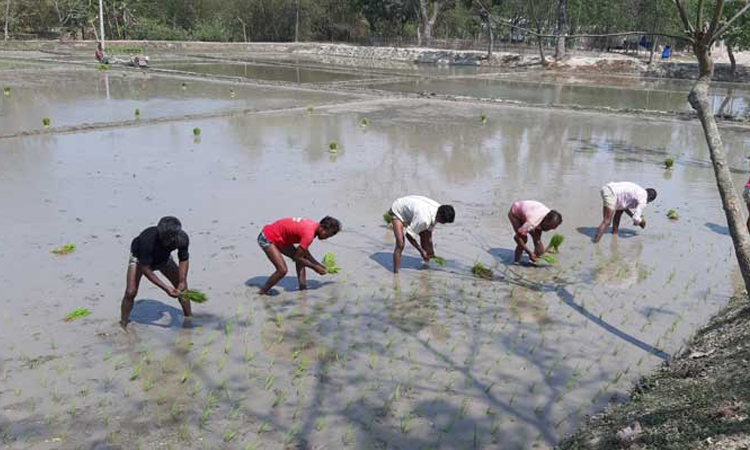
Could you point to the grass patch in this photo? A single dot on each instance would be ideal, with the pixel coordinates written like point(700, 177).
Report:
point(76, 314)
point(194, 295)
point(125, 50)
point(329, 261)
point(64, 250)
point(480, 271)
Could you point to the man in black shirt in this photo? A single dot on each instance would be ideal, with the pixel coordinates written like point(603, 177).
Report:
point(151, 251)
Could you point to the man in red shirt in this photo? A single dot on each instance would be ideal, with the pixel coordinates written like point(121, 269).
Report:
point(280, 237)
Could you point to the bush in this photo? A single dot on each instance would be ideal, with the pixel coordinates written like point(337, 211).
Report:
point(211, 31)
point(154, 30)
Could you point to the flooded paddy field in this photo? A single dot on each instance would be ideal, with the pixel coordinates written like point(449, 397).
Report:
point(264, 72)
point(592, 91)
point(86, 96)
point(431, 358)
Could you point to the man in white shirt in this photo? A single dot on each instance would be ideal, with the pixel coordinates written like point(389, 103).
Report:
point(623, 197)
point(415, 217)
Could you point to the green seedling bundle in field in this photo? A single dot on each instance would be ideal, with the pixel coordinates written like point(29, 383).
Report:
point(196, 131)
point(480, 271)
point(103, 67)
point(555, 243)
point(669, 163)
point(672, 215)
point(6, 91)
point(137, 113)
point(76, 314)
point(64, 250)
point(194, 296)
point(440, 261)
point(46, 122)
point(333, 146)
point(329, 261)
point(365, 122)
point(483, 118)
point(549, 259)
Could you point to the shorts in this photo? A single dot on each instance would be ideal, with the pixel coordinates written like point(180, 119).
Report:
point(608, 197)
point(746, 194)
point(263, 241)
point(133, 261)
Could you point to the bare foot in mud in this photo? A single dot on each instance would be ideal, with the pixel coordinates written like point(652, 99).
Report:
point(187, 323)
point(124, 325)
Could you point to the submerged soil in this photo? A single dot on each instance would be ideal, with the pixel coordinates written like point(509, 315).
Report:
point(699, 399)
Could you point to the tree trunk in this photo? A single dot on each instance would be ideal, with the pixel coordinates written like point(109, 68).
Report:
point(562, 29)
point(733, 63)
point(491, 44)
point(654, 44)
point(427, 21)
point(7, 18)
point(296, 24)
point(732, 206)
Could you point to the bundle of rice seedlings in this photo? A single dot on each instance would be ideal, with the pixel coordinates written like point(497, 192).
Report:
point(76, 314)
point(333, 146)
point(196, 131)
point(555, 243)
point(309, 110)
point(440, 261)
point(483, 118)
point(137, 112)
point(668, 163)
point(549, 259)
point(365, 122)
point(194, 295)
point(480, 271)
point(103, 67)
point(46, 122)
point(6, 91)
point(388, 219)
point(672, 215)
point(231, 93)
point(65, 249)
point(184, 86)
point(329, 261)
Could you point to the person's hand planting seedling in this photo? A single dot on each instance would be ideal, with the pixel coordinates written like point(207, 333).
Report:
point(329, 262)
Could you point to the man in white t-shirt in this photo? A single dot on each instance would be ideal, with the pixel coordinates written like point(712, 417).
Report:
point(623, 197)
point(414, 217)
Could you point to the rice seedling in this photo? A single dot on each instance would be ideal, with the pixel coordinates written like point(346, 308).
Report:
point(46, 122)
point(248, 355)
point(64, 250)
point(6, 91)
point(309, 110)
point(229, 435)
point(549, 259)
point(480, 271)
point(669, 163)
point(329, 261)
point(196, 131)
point(320, 424)
point(232, 94)
point(333, 146)
point(227, 346)
point(137, 113)
point(184, 86)
point(76, 314)
point(175, 411)
point(483, 118)
point(102, 67)
point(672, 215)
point(440, 261)
point(405, 422)
point(194, 295)
point(365, 122)
point(270, 379)
point(136, 372)
point(388, 219)
point(555, 243)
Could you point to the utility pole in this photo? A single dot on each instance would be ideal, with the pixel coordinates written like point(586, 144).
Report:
point(101, 23)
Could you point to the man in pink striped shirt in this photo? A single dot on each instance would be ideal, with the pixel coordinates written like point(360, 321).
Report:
point(623, 197)
point(530, 217)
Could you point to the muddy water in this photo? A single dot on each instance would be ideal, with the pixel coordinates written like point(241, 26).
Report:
point(90, 96)
point(621, 93)
point(263, 72)
point(429, 358)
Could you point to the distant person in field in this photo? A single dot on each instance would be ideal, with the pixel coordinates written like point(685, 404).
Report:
point(414, 217)
point(279, 238)
point(99, 54)
point(667, 53)
point(623, 197)
point(530, 217)
point(746, 197)
point(151, 251)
